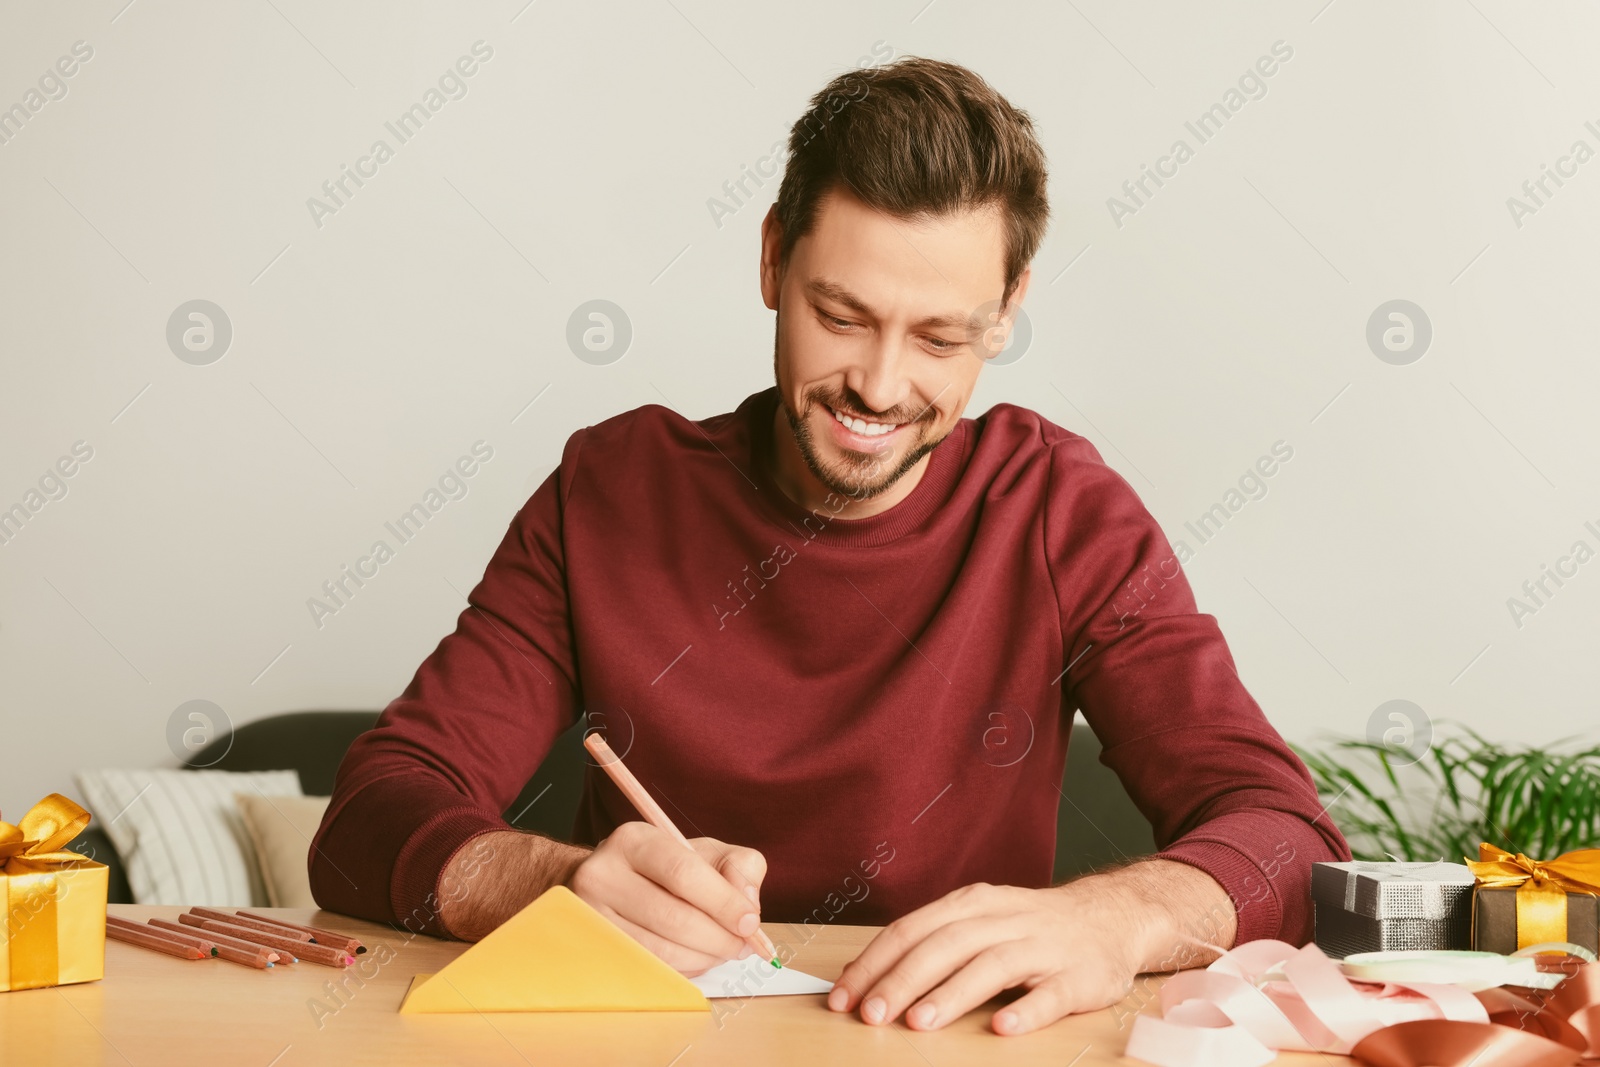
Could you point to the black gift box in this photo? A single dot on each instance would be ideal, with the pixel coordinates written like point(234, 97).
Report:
point(1361, 906)
point(1494, 921)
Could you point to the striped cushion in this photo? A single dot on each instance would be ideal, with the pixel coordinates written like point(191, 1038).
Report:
point(180, 834)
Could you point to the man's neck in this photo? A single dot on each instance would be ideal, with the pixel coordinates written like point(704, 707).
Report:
point(790, 472)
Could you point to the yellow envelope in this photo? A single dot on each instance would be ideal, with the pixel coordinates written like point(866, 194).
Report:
point(556, 954)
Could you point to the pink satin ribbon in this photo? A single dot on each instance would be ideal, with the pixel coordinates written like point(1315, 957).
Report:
point(1232, 1013)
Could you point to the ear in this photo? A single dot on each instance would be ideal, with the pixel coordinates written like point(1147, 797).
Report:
point(1021, 291)
point(771, 268)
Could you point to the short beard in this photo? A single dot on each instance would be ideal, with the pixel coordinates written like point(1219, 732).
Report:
point(857, 478)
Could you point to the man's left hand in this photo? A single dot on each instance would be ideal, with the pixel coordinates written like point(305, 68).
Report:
point(1075, 947)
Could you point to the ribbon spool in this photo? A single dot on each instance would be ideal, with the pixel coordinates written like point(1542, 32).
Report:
point(1268, 996)
point(1472, 971)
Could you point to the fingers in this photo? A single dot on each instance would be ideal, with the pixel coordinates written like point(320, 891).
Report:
point(744, 868)
point(647, 905)
point(992, 969)
point(685, 874)
point(684, 960)
point(694, 916)
point(1043, 1005)
point(969, 956)
point(894, 941)
point(945, 959)
point(881, 953)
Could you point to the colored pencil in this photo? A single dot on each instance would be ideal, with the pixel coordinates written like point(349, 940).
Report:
point(247, 935)
point(200, 943)
point(239, 920)
point(267, 955)
point(328, 957)
point(153, 940)
point(320, 935)
point(167, 935)
point(245, 956)
point(647, 806)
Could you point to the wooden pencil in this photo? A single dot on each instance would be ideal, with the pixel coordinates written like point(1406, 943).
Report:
point(271, 955)
point(612, 764)
point(321, 935)
point(167, 935)
point(251, 956)
point(171, 935)
point(245, 956)
point(328, 957)
point(153, 940)
point(239, 920)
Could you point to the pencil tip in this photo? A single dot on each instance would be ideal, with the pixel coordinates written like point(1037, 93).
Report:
point(776, 963)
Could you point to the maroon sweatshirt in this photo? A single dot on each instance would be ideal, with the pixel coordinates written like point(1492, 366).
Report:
point(880, 705)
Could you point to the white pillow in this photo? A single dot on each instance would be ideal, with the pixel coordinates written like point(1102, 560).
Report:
point(179, 833)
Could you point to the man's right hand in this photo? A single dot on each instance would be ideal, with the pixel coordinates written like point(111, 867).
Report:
point(692, 912)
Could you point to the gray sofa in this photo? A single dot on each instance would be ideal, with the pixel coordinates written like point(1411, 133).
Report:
point(1097, 822)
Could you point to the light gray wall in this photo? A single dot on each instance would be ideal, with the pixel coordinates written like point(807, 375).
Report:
point(374, 346)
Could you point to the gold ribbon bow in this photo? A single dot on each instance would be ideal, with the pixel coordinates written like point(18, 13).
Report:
point(31, 855)
point(1542, 888)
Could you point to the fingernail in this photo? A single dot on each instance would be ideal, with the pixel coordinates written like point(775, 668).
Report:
point(874, 1009)
point(1006, 1021)
point(923, 1016)
point(750, 891)
point(748, 923)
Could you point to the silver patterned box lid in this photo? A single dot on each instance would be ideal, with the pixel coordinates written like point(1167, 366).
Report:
point(1393, 890)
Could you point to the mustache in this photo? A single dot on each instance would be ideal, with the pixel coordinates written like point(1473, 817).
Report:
point(897, 416)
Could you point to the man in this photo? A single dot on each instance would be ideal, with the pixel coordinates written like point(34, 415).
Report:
point(802, 621)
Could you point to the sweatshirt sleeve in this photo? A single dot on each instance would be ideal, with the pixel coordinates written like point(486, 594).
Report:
point(1157, 684)
point(451, 753)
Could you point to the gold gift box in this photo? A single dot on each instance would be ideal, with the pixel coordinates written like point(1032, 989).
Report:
point(55, 901)
point(1495, 927)
point(1518, 903)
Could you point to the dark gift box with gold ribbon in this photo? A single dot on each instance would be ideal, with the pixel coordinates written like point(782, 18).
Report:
point(1518, 902)
point(55, 900)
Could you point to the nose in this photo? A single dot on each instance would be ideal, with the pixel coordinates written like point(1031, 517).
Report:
point(881, 382)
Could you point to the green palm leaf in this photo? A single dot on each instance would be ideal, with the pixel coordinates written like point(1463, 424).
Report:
point(1540, 800)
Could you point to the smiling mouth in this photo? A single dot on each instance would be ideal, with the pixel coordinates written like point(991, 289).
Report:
point(864, 427)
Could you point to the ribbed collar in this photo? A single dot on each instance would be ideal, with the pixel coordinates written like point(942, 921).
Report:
point(945, 464)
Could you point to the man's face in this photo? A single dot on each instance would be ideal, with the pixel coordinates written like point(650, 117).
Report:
point(881, 320)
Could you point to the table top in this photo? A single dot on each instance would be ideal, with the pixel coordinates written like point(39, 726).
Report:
point(159, 1010)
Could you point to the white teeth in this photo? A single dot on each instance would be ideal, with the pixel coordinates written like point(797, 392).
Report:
point(866, 429)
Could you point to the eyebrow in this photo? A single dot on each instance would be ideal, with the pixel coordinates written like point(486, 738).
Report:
point(834, 291)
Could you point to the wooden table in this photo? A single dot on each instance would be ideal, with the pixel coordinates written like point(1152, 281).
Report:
point(156, 1010)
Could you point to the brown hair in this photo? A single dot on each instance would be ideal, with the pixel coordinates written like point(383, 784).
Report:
point(918, 138)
